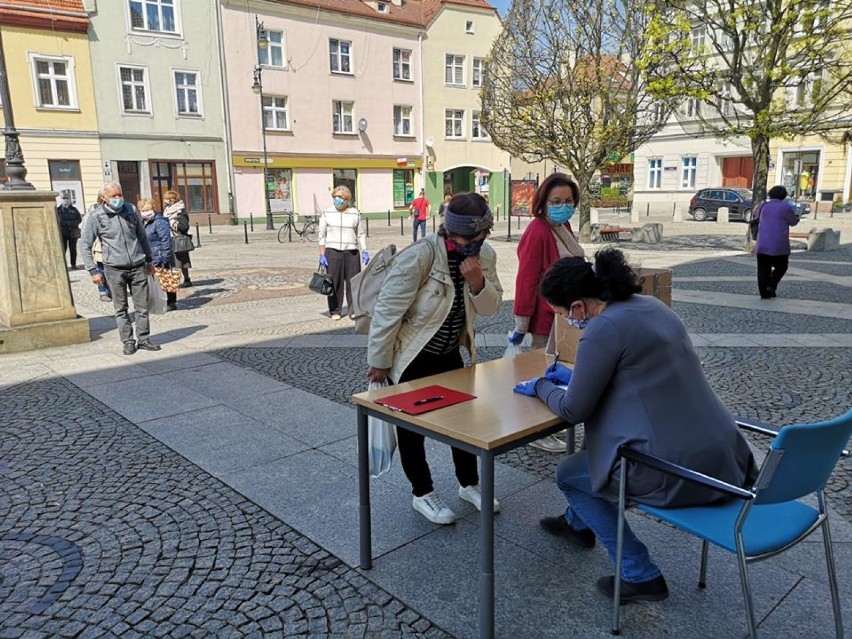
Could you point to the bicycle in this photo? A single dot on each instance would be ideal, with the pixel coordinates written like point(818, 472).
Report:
point(309, 231)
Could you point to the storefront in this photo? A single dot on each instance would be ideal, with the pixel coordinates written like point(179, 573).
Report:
point(800, 173)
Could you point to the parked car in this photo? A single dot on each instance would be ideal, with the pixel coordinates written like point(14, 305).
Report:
point(705, 204)
point(799, 208)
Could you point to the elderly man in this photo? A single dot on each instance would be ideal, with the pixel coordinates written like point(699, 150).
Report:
point(127, 262)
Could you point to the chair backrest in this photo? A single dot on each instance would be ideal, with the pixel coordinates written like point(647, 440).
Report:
point(803, 457)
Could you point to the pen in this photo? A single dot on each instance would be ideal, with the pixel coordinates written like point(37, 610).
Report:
point(428, 400)
point(555, 363)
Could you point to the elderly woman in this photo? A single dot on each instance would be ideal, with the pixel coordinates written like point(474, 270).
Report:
point(178, 218)
point(547, 238)
point(341, 234)
point(772, 248)
point(160, 238)
point(424, 313)
point(636, 381)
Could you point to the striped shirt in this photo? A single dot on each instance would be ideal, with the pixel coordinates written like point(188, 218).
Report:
point(446, 340)
point(342, 230)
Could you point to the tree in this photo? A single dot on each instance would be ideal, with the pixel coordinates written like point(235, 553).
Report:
point(764, 69)
point(560, 85)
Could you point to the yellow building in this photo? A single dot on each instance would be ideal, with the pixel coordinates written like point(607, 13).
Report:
point(812, 169)
point(49, 70)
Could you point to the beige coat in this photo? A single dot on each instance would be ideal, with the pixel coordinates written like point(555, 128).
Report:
point(416, 298)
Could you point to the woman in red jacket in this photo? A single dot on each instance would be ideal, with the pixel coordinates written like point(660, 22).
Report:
point(548, 238)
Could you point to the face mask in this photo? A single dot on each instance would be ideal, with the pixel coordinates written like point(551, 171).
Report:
point(471, 249)
point(115, 203)
point(339, 202)
point(560, 213)
point(147, 215)
point(577, 323)
point(66, 203)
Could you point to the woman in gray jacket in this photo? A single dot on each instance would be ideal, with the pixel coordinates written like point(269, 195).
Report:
point(638, 381)
point(424, 313)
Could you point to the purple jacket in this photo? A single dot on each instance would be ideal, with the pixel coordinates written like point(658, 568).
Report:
point(773, 233)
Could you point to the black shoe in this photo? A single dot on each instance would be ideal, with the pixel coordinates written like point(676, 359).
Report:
point(148, 346)
point(129, 348)
point(772, 292)
point(654, 589)
point(185, 284)
point(559, 527)
point(171, 307)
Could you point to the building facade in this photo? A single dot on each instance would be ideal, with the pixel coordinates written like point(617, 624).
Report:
point(52, 95)
point(160, 104)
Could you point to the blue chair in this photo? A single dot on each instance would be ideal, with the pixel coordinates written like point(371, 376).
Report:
point(758, 522)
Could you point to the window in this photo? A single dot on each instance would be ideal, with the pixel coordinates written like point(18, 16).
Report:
point(134, 89)
point(688, 168)
point(697, 37)
point(477, 132)
point(402, 120)
point(807, 89)
point(401, 64)
point(340, 52)
point(194, 181)
point(187, 93)
point(658, 111)
point(454, 123)
point(478, 72)
point(273, 54)
point(468, 26)
point(275, 113)
point(342, 117)
point(153, 15)
point(454, 69)
point(725, 105)
point(655, 173)
point(403, 187)
point(347, 178)
point(693, 107)
point(54, 80)
point(382, 7)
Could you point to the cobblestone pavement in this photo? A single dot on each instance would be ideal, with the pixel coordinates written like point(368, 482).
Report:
point(108, 533)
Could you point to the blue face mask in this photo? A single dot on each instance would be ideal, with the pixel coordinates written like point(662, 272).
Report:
point(560, 213)
point(577, 323)
point(338, 202)
point(115, 203)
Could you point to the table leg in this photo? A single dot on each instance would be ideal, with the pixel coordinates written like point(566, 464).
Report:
point(486, 560)
point(569, 440)
point(364, 492)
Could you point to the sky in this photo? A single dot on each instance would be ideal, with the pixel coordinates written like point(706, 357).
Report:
point(501, 5)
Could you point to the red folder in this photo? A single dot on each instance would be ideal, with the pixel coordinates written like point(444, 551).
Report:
point(425, 399)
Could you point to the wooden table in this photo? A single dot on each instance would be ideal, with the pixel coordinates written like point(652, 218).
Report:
point(497, 421)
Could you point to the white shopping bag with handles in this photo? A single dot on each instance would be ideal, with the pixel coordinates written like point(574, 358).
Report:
point(381, 441)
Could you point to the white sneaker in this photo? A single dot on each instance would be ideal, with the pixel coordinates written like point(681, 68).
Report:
point(472, 495)
point(549, 443)
point(433, 508)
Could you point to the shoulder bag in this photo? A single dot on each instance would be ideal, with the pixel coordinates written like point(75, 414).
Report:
point(183, 243)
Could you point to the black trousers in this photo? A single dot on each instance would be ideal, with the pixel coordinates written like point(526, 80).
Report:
point(70, 244)
point(412, 447)
point(342, 266)
point(770, 270)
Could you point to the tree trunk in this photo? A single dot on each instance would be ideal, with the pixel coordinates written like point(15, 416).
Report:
point(585, 208)
point(760, 154)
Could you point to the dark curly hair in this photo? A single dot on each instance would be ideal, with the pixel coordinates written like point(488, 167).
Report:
point(573, 278)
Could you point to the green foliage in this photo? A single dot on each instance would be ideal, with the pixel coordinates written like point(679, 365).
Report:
point(610, 193)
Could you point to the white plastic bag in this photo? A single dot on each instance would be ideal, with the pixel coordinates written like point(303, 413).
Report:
point(381, 441)
point(517, 349)
point(156, 297)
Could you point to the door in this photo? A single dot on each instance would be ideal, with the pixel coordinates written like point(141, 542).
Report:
point(128, 178)
point(738, 172)
point(734, 204)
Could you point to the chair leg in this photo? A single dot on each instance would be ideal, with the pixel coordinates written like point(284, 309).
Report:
point(702, 575)
point(747, 600)
point(619, 548)
point(832, 579)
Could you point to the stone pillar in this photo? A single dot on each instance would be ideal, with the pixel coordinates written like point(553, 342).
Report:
point(36, 308)
point(722, 216)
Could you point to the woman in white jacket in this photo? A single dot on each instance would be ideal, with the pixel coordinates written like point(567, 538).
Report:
point(341, 234)
point(424, 313)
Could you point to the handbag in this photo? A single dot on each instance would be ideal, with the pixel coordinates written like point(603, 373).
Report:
point(321, 282)
point(754, 223)
point(183, 243)
point(168, 278)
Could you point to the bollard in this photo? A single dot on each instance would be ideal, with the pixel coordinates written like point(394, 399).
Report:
point(388, 217)
point(367, 220)
point(816, 210)
point(519, 222)
point(401, 230)
point(508, 225)
point(674, 209)
point(197, 236)
point(251, 221)
point(497, 213)
point(209, 224)
point(647, 209)
point(433, 223)
point(245, 231)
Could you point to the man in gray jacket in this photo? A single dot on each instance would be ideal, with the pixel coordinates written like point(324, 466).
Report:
point(127, 262)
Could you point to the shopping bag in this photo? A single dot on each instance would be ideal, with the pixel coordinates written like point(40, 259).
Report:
point(381, 441)
point(517, 349)
point(168, 278)
point(156, 297)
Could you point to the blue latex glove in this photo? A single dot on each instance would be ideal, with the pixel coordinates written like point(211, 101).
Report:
point(365, 258)
point(515, 338)
point(323, 261)
point(559, 374)
point(527, 388)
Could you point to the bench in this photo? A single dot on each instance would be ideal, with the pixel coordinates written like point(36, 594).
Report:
point(613, 233)
point(819, 239)
point(799, 236)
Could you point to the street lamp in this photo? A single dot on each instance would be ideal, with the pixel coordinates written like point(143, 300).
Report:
point(257, 88)
point(16, 172)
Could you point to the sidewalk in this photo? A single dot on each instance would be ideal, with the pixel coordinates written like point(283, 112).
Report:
point(210, 489)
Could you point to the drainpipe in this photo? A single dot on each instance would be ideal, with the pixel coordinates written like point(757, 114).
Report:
point(423, 150)
point(226, 110)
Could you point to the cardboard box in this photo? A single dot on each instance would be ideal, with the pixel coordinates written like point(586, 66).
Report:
point(564, 338)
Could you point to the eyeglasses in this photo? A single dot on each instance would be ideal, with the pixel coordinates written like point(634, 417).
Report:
point(560, 202)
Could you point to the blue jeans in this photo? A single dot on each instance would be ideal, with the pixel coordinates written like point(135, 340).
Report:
point(422, 225)
point(103, 289)
point(587, 509)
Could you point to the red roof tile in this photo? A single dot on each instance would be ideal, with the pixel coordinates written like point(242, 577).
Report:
point(418, 13)
point(63, 15)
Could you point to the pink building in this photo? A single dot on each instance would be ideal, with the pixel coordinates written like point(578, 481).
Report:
point(342, 103)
